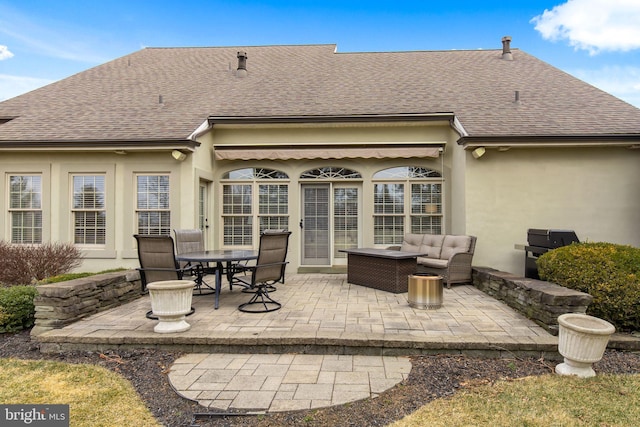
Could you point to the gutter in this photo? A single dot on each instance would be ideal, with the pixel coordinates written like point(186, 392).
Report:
point(114, 145)
point(361, 118)
point(503, 143)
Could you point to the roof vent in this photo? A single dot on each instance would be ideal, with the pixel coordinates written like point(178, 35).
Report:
point(242, 64)
point(506, 48)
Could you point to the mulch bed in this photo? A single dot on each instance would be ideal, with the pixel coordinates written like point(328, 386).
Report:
point(431, 377)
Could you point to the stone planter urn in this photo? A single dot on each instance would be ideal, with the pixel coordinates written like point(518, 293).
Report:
point(582, 340)
point(170, 302)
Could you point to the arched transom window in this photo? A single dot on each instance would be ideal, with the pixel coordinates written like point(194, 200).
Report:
point(330, 172)
point(406, 200)
point(250, 197)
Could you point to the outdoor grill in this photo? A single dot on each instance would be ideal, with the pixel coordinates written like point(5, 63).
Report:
point(541, 241)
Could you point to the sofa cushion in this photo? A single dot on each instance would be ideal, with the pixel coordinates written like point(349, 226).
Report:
point(411, 242)
point(453, 245)
point(434, 263)
point(432, 245)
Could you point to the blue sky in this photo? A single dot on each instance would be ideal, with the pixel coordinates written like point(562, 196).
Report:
point(597, 41)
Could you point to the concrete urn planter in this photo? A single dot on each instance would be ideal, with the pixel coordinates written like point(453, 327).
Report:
point(171, 301)
point(582, 340)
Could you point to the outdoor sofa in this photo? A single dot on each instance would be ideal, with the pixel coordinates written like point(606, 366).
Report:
point(447, 255)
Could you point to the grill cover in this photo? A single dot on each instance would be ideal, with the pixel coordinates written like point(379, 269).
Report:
point(551, 239)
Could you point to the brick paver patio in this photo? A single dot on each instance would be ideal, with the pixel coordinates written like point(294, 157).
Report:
point(332, 342)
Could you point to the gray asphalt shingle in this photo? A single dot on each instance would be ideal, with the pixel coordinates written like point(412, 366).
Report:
point(119, 100)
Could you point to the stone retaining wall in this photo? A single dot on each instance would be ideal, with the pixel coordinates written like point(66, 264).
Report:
point(538, 300)
point(60, 304)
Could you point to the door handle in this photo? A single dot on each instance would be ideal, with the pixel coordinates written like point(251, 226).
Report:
point(302, 223)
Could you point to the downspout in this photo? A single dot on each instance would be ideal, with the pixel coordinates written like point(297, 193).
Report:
point(201, 130)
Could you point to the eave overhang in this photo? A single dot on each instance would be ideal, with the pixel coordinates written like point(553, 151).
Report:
point(100, 146)
point(359, 118)
point(470, 143)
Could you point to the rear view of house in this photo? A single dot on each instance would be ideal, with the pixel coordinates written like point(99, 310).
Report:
point(343, 149)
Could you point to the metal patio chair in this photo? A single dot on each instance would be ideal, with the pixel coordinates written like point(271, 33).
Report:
point(192, 240)
point(242, 267)
point(158, 262)
point(268, 270)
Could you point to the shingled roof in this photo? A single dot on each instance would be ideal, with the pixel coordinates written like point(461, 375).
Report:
point(164, 94)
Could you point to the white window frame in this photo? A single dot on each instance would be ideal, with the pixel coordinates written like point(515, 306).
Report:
point(100, 237)
point(37, 232)
point(430, 205)
point(250, 216)
point(237, 214)
point(162, 207)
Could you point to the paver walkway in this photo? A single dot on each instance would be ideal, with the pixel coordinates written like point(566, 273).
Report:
point(283, 382)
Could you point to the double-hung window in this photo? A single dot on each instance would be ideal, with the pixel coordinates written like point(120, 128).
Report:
point(237, 214)
point(25, 208)
point(253, 196)
point(152, 204)
point(273, 206)
point(89, 211)
point(388, 213)
point(406, 200)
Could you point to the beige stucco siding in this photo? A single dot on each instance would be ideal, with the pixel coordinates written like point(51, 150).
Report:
point(296, 134)
point(56, 170)
point(594, 191)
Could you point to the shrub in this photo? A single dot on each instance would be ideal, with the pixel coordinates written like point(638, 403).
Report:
point(610, 273)
point(17, 310)
point(27, 264)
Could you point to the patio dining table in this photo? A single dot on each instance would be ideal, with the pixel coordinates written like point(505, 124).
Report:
point(219, 257)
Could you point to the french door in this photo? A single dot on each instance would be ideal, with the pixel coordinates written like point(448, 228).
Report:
point(203, 209)
point(330, 222)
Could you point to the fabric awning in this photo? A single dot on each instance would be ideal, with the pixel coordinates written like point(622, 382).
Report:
point(325, 153)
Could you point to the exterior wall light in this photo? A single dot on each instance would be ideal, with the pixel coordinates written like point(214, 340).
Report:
point(478, 152)
point(178, 155)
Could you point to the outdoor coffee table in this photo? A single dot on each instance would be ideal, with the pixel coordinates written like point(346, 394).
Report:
point(383, 269)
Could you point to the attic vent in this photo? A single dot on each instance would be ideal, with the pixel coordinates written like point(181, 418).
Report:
point(242, 64)
point(506, 48)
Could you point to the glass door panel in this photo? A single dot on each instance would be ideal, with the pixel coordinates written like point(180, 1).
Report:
point(315, 224)
point(203, 210)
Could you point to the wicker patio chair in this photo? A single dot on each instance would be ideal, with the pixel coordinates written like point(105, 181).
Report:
point(269, 269)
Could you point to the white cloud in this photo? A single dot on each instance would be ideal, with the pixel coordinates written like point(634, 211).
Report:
point(11, 86)
point(5, 53)
point(621, 81)
point(593, 25)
